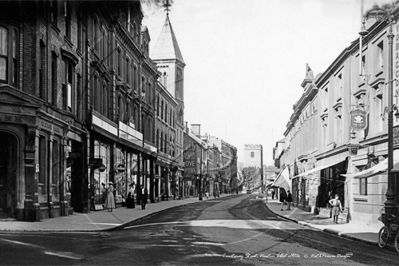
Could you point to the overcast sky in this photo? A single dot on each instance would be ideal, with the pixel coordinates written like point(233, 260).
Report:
point(246, 60)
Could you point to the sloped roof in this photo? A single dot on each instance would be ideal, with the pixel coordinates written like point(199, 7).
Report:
point(167, 46)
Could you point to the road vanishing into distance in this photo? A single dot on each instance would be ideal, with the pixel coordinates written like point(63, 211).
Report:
point(235, 230)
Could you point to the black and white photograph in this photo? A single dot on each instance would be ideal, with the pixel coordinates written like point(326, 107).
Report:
point(199, 132)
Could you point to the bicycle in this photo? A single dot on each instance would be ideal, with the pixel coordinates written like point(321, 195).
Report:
point(389, 233)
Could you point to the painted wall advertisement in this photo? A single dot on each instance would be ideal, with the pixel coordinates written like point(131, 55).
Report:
point(190, 159)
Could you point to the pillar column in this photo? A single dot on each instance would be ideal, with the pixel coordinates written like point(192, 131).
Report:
point(31, 203)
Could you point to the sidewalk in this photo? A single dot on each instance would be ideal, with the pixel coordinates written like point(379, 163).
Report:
point(348, 230)
point(96, 220)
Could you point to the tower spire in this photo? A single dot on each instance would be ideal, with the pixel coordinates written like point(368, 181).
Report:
point(166, 5)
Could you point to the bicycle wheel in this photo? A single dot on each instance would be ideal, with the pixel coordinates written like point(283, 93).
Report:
point(397, 242)
point(383, 237)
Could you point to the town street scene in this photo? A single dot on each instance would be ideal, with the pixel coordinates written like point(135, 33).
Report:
point(206, 132)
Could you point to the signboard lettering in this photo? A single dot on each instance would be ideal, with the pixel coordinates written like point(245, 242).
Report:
point(190, 158)
point(11, 118)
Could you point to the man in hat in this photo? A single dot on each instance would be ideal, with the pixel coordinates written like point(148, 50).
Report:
point(143, 196)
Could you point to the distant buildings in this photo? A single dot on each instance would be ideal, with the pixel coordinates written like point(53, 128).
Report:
point(253, 155)
point(216, 163)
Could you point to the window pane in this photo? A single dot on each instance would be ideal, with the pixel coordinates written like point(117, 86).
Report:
point(3, 68)
point(3, 41)
point(14, 45)
point(69, 93)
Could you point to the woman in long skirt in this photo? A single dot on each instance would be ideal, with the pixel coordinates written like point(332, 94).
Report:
point(130, 197)
point(110, 200)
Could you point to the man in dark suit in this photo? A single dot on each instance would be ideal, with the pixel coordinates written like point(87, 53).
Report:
point(143, 197)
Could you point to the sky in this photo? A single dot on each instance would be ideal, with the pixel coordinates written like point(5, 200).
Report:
point(246, 60)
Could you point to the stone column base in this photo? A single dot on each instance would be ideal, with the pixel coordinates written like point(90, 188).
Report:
point(32, 211)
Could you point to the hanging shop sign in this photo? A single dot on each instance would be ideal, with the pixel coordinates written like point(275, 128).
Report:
point(358, 119)
point(102, 168)
point(120, 168)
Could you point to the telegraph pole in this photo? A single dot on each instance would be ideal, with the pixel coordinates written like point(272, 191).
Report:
point(261, 169)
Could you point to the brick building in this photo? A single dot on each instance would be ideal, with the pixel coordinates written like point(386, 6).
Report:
point(77, 90)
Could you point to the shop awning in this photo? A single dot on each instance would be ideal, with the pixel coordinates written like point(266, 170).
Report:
point(374, 170)
point(321, 167)
point(283, 180)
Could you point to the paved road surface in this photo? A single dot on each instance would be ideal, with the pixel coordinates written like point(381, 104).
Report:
point(237, 230)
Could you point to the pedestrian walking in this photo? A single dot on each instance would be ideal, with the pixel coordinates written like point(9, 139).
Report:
point(282, 198)
point(273, 194)
point(288, 200)
point(336, 208)
point(110, 200)
point(130, 196)
point(143, 197)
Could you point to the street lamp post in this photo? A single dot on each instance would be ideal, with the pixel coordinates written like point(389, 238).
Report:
point(389, 16)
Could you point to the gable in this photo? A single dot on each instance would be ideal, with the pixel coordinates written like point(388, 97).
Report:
point(11, 96)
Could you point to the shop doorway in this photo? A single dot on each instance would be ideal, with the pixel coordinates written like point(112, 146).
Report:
point(77, 182)
point(8, 169)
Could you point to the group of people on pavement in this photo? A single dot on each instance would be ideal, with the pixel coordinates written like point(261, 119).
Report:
point(335, 203)
point(108, 196)
point(285, 199)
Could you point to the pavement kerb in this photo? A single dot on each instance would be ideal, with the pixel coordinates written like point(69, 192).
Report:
point(100, 230)
point(282, 216)
point(344, 235)
point(326, 230)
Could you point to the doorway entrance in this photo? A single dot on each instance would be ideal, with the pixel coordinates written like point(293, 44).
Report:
point(8, 169)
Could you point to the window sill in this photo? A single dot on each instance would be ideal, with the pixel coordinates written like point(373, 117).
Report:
point(360, 199)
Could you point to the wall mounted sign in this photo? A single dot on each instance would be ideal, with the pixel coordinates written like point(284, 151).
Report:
point(358, 119)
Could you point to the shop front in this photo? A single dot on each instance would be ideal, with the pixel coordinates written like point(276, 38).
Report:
point(33, 158)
